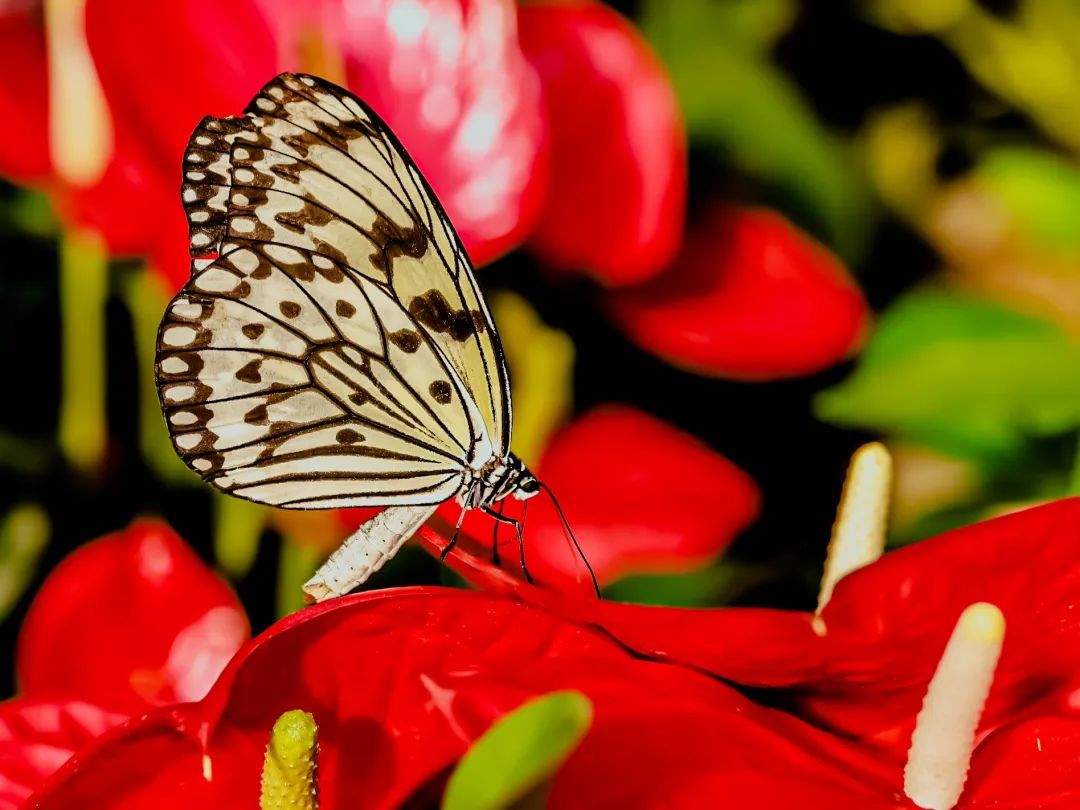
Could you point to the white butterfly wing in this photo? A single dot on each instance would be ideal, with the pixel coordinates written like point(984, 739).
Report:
point(332, 347)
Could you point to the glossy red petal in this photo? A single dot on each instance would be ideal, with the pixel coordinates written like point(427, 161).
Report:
point(1034, 763)
point(38, 736)
point(616, 202)
point(400, 682)
point(887, 625)
point(750, 297)
point(24, 96)
point(450, 78)
point(129, 621)
point(165, 65)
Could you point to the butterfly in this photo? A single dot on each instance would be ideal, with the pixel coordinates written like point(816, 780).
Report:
point(332, 347)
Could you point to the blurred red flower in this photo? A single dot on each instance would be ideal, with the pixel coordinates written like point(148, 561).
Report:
point(130, 204)
point(126, 623)
point(449, 76)
point(24, 98)
point(132, 620)
point(400, 682)
point(750, 297)
point(618, 176)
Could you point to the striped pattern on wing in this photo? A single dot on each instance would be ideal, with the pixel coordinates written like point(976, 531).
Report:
point(289, 379)
point(313, 168)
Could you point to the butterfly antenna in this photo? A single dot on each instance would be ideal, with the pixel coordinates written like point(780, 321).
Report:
point(570, 534)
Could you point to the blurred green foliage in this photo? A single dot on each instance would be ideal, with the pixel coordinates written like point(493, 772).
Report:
point(961, 375)
point(738, 101)
point(1041, 189)
point(24, 534)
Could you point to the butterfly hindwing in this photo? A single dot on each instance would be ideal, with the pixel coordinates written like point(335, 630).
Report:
point(280, 379)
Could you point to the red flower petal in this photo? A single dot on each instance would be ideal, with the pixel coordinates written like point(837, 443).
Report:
point(24, 96)
point(618, 181)
point(450, 78)
point(107, 207)
point(165, 65)
point(401, 681)
point(169, 256)
point(888, 623)
point(1035, 763)
point(39, 736)
point(750, 297)
point(132, 620)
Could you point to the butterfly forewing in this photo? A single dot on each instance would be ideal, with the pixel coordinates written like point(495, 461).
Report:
point(332, 347)
point(312, 167)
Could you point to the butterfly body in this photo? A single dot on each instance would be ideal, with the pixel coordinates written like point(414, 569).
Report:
point(332, 347)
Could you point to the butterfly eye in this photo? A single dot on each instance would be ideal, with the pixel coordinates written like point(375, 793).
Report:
point(527, 487)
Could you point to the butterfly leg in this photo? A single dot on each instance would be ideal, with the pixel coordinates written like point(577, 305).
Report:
point(495, 537)
point(453, 537)
point(520, 539)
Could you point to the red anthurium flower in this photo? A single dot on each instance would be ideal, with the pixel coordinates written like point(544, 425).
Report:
point(663, 502)
point(863, 667)
point(126, 623)
point(864, 670)
point(618, 182)
point(400, 682)
point(106, 205)
point(750, 297)
point(130, 621)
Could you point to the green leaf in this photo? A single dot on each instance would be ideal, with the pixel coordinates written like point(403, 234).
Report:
point(1040, 189)
point(736, 100)
point(962, 375)
point(519, 753)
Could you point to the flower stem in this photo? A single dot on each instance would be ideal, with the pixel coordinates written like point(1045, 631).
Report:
point(944, 736)
point(290, 766)
point(238, 528)
point(858, 535)
point(84, 287)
